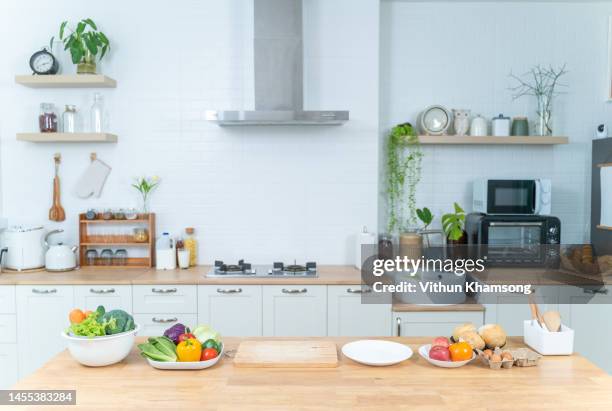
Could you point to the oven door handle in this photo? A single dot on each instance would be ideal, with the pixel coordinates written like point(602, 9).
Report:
point(537, 198)
point(516, 224)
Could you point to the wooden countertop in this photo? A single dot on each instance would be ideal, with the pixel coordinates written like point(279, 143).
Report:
point(328, 275)
point(569, 382)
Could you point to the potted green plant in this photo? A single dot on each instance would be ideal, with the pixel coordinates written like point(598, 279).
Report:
point(145, 186)
point(404, 156)
point(424, 214)
point(453, 225)
point(85, 43)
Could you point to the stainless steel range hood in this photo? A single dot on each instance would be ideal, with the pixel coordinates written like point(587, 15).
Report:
point(279, 59)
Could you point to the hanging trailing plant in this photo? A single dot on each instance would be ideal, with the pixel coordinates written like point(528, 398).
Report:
point(404, 155)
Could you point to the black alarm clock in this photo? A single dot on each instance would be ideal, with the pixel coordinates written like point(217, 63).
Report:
point(43, 62)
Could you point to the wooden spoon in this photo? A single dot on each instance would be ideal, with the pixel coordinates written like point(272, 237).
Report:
point(57, 213)
point(552, 319)
point(535, 313)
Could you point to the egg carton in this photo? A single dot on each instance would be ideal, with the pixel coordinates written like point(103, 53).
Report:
point(521, 357)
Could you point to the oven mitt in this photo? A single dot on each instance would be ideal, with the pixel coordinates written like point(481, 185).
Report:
point(92, 181)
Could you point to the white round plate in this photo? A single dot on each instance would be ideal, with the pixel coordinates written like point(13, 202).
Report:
point(424, 352)
point(376, 352)
point(195, 365)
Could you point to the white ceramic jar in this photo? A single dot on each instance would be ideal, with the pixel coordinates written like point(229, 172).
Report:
point(479, 126)
point(501, 126)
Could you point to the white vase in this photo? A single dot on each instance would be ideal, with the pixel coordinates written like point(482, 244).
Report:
point(479, 126)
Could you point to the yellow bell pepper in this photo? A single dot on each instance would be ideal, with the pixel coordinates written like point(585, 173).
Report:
point(189, 350)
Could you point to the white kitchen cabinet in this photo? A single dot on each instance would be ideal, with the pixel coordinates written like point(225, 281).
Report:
point(154, 325)
point(234, 310)
point(7, 299)
point(588, 313)
point(511, 310)
point(349, 316)
point(42, 313)
point(295, 310)
point(9, 372)
point(112, 297)
point(433, 323)
point(180, 299)
point(8, 328)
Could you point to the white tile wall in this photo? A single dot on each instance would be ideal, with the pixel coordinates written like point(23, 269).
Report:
point(460, 55)
point(256, 192)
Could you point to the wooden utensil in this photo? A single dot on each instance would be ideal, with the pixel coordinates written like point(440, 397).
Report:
point(57, 213)
point(286, 354)
point(535, 312)
point(552, 319)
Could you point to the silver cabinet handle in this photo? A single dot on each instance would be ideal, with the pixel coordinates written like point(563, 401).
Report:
point(229, 290)
point(102, 291)
point(399, 327)
point(295, 291)
point(164, 320)
point(37, 291)
point(600, 291)
point(164, 290)
point(358, 290)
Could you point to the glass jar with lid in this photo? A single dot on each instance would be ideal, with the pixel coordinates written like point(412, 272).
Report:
point(47, 119)
point(69, 119)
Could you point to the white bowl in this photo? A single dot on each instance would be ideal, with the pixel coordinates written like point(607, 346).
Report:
point(424, 352)
point(191, 365)
point(377, 352)
point(101, 351)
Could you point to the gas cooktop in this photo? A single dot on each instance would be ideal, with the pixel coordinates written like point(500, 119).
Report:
point(276, 270)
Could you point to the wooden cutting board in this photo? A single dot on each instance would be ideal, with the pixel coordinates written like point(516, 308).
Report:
point(286, 354)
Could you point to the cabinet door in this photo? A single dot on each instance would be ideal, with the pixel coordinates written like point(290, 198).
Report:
point(112, 297)
point(154, 325)
point(7, 299)
point(165, 299)
point(588, 313)
point(8, 365)
point(231, 310)
point(511, 310)
point(433, 324)
point(43, 314)
point(295, 310)
point(349, 316)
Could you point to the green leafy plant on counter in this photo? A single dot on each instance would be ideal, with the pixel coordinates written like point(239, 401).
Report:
point(404, 157)
point(85, 43)
point(145, 186)
point(425, 215)
point(454, 223)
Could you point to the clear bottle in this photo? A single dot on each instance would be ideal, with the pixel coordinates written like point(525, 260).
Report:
point(191, 244)
point(69, 119)
point(97, 114)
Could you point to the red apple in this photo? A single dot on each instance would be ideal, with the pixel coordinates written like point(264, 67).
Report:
point(440, 342)
point(439, 353)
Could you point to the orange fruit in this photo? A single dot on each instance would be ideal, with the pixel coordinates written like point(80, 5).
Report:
point(460, 351)
point(76, 316)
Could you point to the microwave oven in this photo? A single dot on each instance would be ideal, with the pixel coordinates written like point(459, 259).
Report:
point(514, 240)
point(512, 196)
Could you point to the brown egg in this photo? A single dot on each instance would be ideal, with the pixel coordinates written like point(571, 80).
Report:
point(496, 358)
point(487, 353)
point(506, 355)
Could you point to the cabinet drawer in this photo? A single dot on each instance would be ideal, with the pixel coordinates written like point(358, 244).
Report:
point(154, 325)
point(8, 328)
point(112, 297)
point(295, 310)
point(166, 299)
point(232, 310)
point(350, 315)
point(433, 324)
point(7, 299)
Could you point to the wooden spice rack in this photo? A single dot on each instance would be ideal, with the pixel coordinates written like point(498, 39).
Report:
point(88, 240)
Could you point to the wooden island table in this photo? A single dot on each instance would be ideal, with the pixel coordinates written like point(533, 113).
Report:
point(557, 383)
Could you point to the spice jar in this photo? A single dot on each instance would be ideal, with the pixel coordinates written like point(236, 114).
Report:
point(69, 119)
point(47, 120)
point(141, 235)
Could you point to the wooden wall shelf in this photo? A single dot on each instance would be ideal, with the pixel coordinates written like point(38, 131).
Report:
point(489, 140)
point(89, 240)
point(67, 137)
point(66, 81)
point(604, 227)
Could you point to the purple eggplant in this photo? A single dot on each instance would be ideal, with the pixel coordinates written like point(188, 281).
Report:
point(175, 331)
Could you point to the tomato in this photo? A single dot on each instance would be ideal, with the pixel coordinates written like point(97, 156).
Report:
point(186, 336)
point(460, 351)
point(209, 354)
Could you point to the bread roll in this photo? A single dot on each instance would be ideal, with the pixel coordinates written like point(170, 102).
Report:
point(493, 335)
point(472, 338)
point(460, 329)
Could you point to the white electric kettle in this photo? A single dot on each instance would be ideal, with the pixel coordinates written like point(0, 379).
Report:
point(59, 257)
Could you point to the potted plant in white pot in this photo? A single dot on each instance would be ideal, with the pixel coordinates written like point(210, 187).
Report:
point(85, 43)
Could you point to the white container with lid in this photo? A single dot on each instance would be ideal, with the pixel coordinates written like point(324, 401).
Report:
point(165, 254)
point(546, 342)
point(501, 126)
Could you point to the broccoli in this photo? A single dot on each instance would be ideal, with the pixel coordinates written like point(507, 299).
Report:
point(118, 322)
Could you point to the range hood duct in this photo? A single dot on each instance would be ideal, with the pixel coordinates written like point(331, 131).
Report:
point(279, 62)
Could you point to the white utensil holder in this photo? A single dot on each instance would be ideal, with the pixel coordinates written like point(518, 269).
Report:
point(546, 342)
